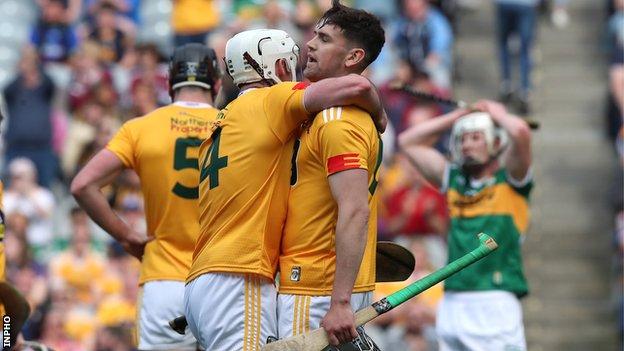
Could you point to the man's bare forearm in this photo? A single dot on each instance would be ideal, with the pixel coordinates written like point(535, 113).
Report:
point(427, 132)
point(97, 207)
point(351, 231)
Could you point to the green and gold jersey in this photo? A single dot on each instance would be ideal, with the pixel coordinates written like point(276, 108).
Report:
point(498, 207)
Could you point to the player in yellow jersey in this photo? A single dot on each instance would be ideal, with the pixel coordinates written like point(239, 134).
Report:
point(162, 147)
point(230, 297)
point(12, 303)
point(327, 260)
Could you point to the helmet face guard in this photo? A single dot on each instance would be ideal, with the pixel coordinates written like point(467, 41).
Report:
point(193, 65)
point(475, 122)
point(251, 56)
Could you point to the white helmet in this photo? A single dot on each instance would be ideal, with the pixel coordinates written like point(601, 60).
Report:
point(266, 47)
point(475, 122)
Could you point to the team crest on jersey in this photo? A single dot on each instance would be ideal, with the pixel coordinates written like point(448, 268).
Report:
point(295, 274)
point(497, 277)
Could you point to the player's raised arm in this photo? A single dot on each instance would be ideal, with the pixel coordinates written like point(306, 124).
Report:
point(352, 89)
point(100, 171)
point(417, 141)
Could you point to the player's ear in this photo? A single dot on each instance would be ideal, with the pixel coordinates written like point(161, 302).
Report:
point(282, 70)
point(355, 57)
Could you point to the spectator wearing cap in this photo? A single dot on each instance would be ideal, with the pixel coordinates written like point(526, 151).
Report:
point(29, 104)
point(53, 37)
point(425, 39)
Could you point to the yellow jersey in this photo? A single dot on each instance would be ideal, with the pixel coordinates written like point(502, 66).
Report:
point(243, 190)
point(162, 148)
point(340, 138)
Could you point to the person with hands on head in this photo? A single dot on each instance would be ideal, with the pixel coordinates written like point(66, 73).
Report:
point(162, 148)
point(487, 186)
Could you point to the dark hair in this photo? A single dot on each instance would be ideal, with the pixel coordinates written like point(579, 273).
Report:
point(63, 3)
point(107, 6)
point(358, 26)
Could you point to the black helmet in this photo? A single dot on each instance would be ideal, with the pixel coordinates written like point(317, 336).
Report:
point(193, 65)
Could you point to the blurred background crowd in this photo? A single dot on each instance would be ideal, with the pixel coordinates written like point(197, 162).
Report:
point(72, 71)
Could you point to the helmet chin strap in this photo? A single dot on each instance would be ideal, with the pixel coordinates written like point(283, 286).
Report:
point(257, 68)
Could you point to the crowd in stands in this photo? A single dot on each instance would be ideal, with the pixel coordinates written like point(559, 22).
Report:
point(84, 73)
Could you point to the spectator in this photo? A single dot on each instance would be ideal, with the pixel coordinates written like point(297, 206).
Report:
point(116, 338)
point(53, 37)
point(113, 43)
point(425, 39)
point(79, 268)
point(413, 206)
point(82, 132)
point(54, 333)
point(152, 74)
point(144, 100)
point(516, 17)
point(28, 275)
point(29, 104)
point(87, 73)
point(105, 95)
point(127, 12)
point(275, 16)
point(193, 20)
point(33, 201)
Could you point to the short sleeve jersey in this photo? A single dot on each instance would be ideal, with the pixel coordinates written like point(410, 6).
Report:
point(243, 191)
point(162, 148)
point(498, 207)
point(339, 139)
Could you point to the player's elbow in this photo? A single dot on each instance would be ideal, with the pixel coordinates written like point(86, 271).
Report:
point(521, 133)
point(78, 187)
point(408, 140)
point(402, 140)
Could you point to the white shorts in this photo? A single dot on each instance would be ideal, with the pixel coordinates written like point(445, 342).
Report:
point(229, 312)
point(159, 302)
point(480, 321)
point(297, 314)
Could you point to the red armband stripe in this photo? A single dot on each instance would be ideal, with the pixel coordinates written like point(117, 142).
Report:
point(301, 86)
point(342, 162)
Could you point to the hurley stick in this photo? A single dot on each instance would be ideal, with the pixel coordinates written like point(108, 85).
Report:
point(316, 340)
point(533, 124)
